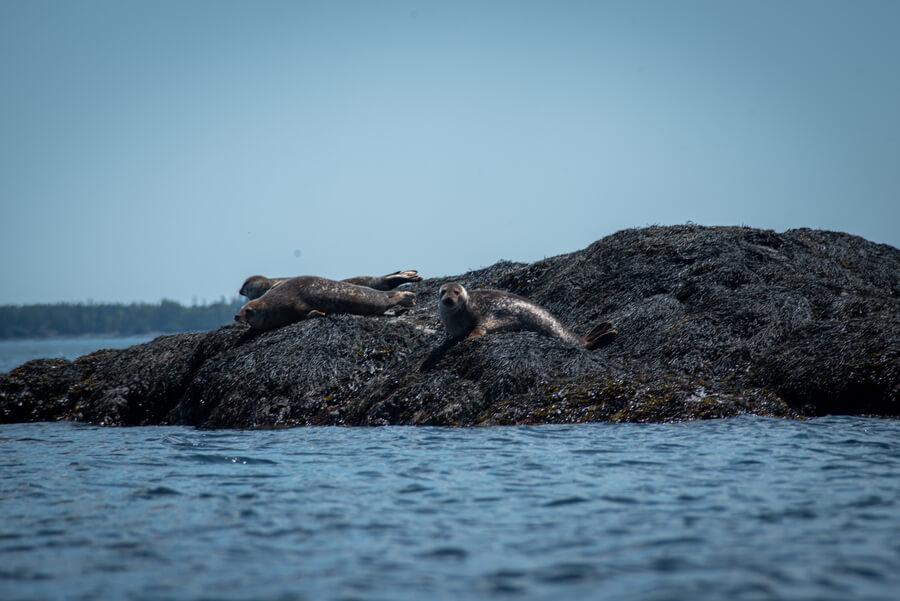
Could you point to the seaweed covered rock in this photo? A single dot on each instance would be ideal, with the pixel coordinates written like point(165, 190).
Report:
point(37, 391)
point(713, 322)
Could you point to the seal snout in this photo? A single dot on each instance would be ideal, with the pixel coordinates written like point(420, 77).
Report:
point(448, 302)
point(244, 315)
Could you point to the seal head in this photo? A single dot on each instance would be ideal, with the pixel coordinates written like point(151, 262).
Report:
point(260, 314)
point(255, 286)
point(453, 297)
point(454, 310)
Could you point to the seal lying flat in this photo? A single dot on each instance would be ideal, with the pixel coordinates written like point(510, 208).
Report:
point(469, 315)
point(257, 285)
point(304, 297)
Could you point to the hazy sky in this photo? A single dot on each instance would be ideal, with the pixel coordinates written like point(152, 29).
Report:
point(169, 149)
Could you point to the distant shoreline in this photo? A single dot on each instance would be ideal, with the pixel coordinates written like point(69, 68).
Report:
point(92, 336)
point(111, 320)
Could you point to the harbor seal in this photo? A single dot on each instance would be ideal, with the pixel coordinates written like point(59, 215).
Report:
point(470, 315)
point(305, 297)
point(257, 285)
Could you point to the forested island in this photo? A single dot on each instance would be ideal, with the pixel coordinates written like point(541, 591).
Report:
point(110, 319)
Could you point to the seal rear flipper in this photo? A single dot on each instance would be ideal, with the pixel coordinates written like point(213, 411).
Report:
point(402, 277)
point(601, 335)
point(386, 282)
point(600, 329)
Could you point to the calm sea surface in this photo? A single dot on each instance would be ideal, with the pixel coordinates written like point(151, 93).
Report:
point(748, 508)
point(14, 353)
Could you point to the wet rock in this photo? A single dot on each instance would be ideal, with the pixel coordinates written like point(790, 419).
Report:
point(37, 391)
point(713, 322)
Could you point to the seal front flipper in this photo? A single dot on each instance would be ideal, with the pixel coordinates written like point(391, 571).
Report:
point(477, 333)
point(314, 313)
point(437, 354)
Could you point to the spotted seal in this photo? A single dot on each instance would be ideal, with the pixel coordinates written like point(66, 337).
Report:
point(257, 285)
point(304, 297)
point(470, 315)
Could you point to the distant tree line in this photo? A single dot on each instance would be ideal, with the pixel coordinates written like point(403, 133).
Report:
point(77, 319)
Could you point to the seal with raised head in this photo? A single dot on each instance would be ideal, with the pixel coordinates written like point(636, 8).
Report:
point(470, 315)
point(257, 285)
point(304, 297)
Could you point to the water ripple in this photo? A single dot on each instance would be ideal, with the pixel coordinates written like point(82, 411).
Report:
point(747, 508)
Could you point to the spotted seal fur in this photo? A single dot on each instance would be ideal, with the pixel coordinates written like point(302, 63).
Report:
point(470, 315)
point(304, 297)
point(257, 285)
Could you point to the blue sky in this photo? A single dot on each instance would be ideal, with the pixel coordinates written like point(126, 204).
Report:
point(170, 149)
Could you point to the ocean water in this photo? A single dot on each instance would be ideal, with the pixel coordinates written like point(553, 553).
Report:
point(14, 353)
point(747, 508)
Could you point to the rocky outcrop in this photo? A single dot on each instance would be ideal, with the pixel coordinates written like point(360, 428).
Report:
point(713, 322)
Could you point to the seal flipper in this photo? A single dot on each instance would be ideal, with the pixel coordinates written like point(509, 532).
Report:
point(403, 298)
point(477, 332)
point(386, 282)
point(437, 354)
point(402, 277)
point(600, 335)
point(304, 311)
